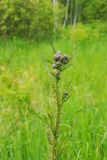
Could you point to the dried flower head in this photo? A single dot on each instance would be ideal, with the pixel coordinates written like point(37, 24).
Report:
point(60, 60)
point(57, 56)
point(64, 59)
point(56, 73)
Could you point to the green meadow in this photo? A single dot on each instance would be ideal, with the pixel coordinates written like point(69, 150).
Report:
point(53, 79)
point(26, 93)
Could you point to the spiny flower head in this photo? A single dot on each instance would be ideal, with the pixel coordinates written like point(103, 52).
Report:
point(60, 60)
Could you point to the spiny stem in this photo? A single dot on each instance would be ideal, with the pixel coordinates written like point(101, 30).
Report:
point(57, 125)
point(60, 61)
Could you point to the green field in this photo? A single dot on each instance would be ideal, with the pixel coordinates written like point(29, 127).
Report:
point(26, 93)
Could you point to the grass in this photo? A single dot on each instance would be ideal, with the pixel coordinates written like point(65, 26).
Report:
point(25, 84)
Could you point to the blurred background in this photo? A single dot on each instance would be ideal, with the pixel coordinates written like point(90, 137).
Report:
point(79, 29)
point(42, 19)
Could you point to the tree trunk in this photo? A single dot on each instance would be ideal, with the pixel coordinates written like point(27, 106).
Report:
point(66, 14)
point(55, 3)
point(75, 13)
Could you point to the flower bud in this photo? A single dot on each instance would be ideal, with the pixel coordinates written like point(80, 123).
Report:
point(58, 64)
point(57, 56)
point(64, 59)
point(65, 94)
point(56, 73)
point(54, 66)
point(58, 53)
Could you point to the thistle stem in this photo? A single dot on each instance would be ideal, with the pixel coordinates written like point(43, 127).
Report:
point(57, 125)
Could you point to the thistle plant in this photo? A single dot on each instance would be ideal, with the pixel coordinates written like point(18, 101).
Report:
point(60, 63)
point(52, 118)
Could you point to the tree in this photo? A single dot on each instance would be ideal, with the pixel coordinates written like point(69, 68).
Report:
point(66, 13)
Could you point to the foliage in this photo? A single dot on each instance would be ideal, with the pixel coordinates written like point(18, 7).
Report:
point(82, 33)
point(27, 19)
point(86, 11)
point(41, 19)
point(94, 10)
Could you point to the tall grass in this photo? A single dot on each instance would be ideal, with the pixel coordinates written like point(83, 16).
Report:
point(25, 87)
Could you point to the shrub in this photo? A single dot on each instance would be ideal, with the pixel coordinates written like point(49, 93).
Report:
point(29, 19)
point(88, 32)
